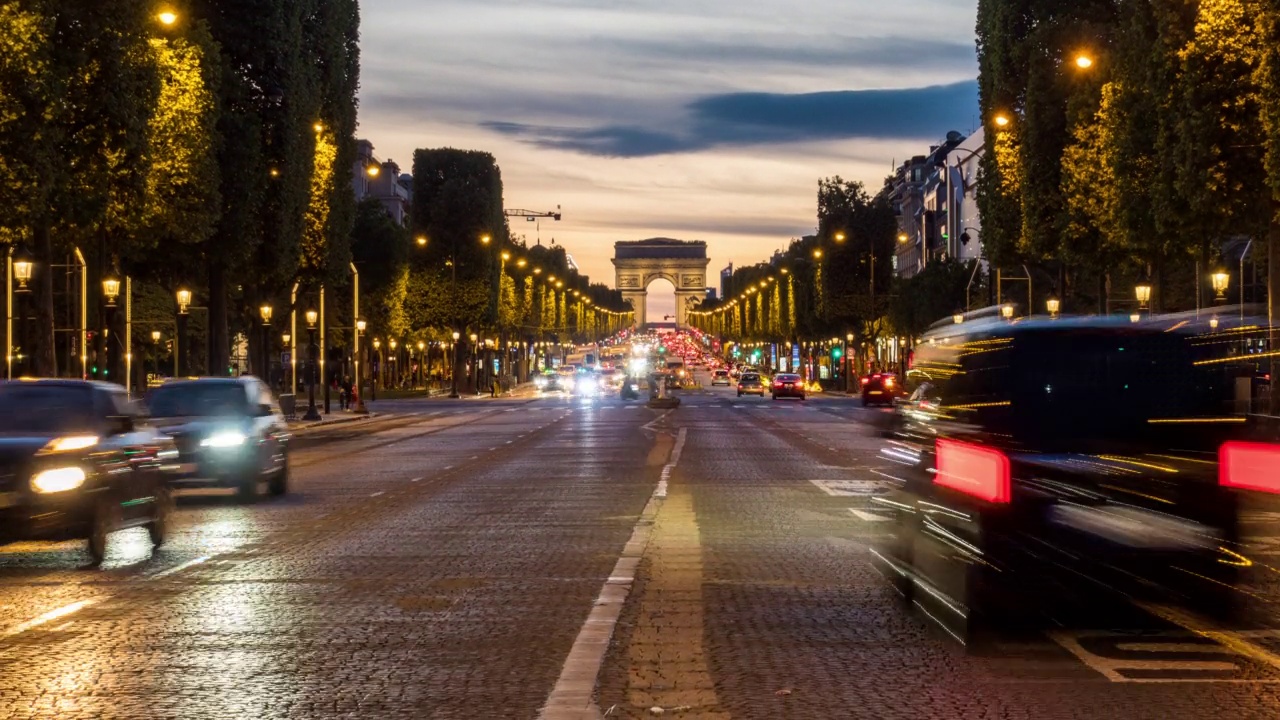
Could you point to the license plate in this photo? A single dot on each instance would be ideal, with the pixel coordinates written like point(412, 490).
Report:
point(788, 385)
point(875, 392)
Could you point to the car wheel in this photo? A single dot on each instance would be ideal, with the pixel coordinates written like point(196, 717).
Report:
point(247, 487)
point(158, 528)
point(279, 483)
point(101, 526)
point(801, 397)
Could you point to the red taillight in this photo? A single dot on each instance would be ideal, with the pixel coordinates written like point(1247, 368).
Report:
point(888, 382)
point(974, 470)
point(777, 383)
point(1249, 466)
point(866, 380)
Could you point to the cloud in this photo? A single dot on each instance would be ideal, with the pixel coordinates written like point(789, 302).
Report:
point(743, 119)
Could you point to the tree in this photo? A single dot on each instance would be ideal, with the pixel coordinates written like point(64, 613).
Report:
point(457, 200)
point(933, 294)
point(380, 248)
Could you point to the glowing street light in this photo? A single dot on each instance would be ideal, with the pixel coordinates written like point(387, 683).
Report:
point(817, 253)
point(184, 301)
point(1084, 62)
point(1143, 293)
point(265, 311)
point(1006, 311)
point(958, 318)
point(839, 237)
point(167, 17)
point(111, 289)
point(1053, 305)
point(372, 171)
point(1002, 120)
point(485, 239)
point(312, 317)
point(1220, 280)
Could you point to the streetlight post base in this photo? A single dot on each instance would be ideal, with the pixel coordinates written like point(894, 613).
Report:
point(312, 415)
point(359, 408)
point(454, 396)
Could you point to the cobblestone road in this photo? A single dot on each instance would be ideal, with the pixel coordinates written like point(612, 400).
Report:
point(480, 558)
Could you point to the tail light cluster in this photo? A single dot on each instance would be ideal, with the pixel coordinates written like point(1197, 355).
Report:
point(1249, 466)
point(866, 380)
point(974, 470)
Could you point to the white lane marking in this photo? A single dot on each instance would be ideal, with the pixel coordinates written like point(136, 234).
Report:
point(448, 467)
point(180, 567)
point(418, 479)
point(850, 488)
point(571, 698)
point(869, 517)
point(50, 616)
point(380, 492)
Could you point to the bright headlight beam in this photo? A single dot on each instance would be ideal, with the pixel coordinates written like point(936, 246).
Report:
point(72, 442)
point(58, 480)
point(224, 439)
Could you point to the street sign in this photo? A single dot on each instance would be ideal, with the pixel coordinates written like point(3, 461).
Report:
point(285, 358)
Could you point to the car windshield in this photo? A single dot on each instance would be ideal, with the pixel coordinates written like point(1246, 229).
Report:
point(213, 399)
point(42, 409)
point(787, 378)
point(750, 378)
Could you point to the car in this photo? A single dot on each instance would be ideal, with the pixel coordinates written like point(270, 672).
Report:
point(750, 384)
point(76, 462)
point(1074, 463)
point(721, 377)
point(587, 384)
point(228, 430)
point(548, 381)
point(880, 388)
point(787, 385)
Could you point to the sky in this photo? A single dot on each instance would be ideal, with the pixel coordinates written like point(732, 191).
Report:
point(692, 119)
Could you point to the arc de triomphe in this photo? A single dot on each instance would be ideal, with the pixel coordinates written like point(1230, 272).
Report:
point(682, 263)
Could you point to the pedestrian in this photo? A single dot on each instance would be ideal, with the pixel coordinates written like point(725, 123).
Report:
point(346, 392)
point(495, 387)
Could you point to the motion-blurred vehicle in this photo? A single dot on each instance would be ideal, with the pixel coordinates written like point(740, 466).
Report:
point(787, 385)
point(750, 384)
point(228, 428)
point(880, 389)
point(1074, 463)
point(721, 377)
point(548, 381)
point(587, 384)
point(76, 463)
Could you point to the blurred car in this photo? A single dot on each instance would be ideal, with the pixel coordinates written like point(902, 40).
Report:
point(750, 384)
point(548, 381)
point(1020, 492)
point(721, 377)
point(587, 384)
point(229, 429)
point(76, 462)
point(880, 389)
point(787, 385)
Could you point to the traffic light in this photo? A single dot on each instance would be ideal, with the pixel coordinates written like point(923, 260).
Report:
point(836, 353)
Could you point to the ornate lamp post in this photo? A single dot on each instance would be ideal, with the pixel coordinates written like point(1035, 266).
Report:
point(377, 368)
point(453, 369)
point(474, 376)
point(1053, 305)
point(265, 312)
point(180, 339)
point(395, 361)
point(361, 325)
point(1006, 311)
point(422, 362)
point(1143, 294)
point(313, 356)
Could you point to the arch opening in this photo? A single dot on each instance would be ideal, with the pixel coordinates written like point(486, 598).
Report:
point(660, 300)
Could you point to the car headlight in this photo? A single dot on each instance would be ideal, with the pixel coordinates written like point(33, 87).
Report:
point(540, 382)
point(568, 383)
point(225, 439)
point(70, 442)
point(58, 480)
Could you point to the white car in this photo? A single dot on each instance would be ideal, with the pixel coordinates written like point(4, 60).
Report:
point(721, 377)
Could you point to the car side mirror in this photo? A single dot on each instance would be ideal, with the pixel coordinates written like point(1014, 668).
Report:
point(120, 424)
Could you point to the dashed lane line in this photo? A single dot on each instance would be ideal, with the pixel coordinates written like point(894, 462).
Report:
point(868, 517)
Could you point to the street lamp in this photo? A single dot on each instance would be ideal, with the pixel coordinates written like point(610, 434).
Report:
point(839, 237)
point(155, 341)
point(265, 312)
point(453, 369)
point(1143, 293)
point(422, 364)
point(903, 237)
point(1220, 280)
point(421, 240)
point(183, 296)
point(1007, 312)
point(957, 318)
point(313, 354)
point(485, 239)
point(111, 288)
point(474, 376)
point(1084, 62)
point(23, 268)
point(167, 17)
point(372, 171)
point(1002, 121)
point(817, 253)
point(1053, 305)
point(1213, 322)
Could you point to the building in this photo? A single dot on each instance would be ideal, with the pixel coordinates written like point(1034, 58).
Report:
point(726, 279)
point(374, 178)
point(924, 192)
point(966, 227)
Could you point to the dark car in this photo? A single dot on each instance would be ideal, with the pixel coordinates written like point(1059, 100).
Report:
point(229, 429)
point(880, 389)
point(750, 384)
point(548, 381)
point(76, 463)
point(787, 385)
point(1074, 463)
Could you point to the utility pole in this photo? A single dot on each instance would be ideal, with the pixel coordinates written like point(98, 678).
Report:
point(1273, 308)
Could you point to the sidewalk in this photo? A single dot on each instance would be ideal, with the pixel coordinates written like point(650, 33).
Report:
point(342, 417)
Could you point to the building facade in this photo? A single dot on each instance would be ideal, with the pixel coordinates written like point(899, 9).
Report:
point(934, 199)
point(381, 179)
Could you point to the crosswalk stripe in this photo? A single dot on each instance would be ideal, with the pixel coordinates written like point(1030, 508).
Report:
point(868, 517)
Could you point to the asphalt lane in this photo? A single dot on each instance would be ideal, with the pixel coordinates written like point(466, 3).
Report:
point(451, 559)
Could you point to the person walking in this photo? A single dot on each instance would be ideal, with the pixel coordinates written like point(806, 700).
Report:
point(495, 387)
